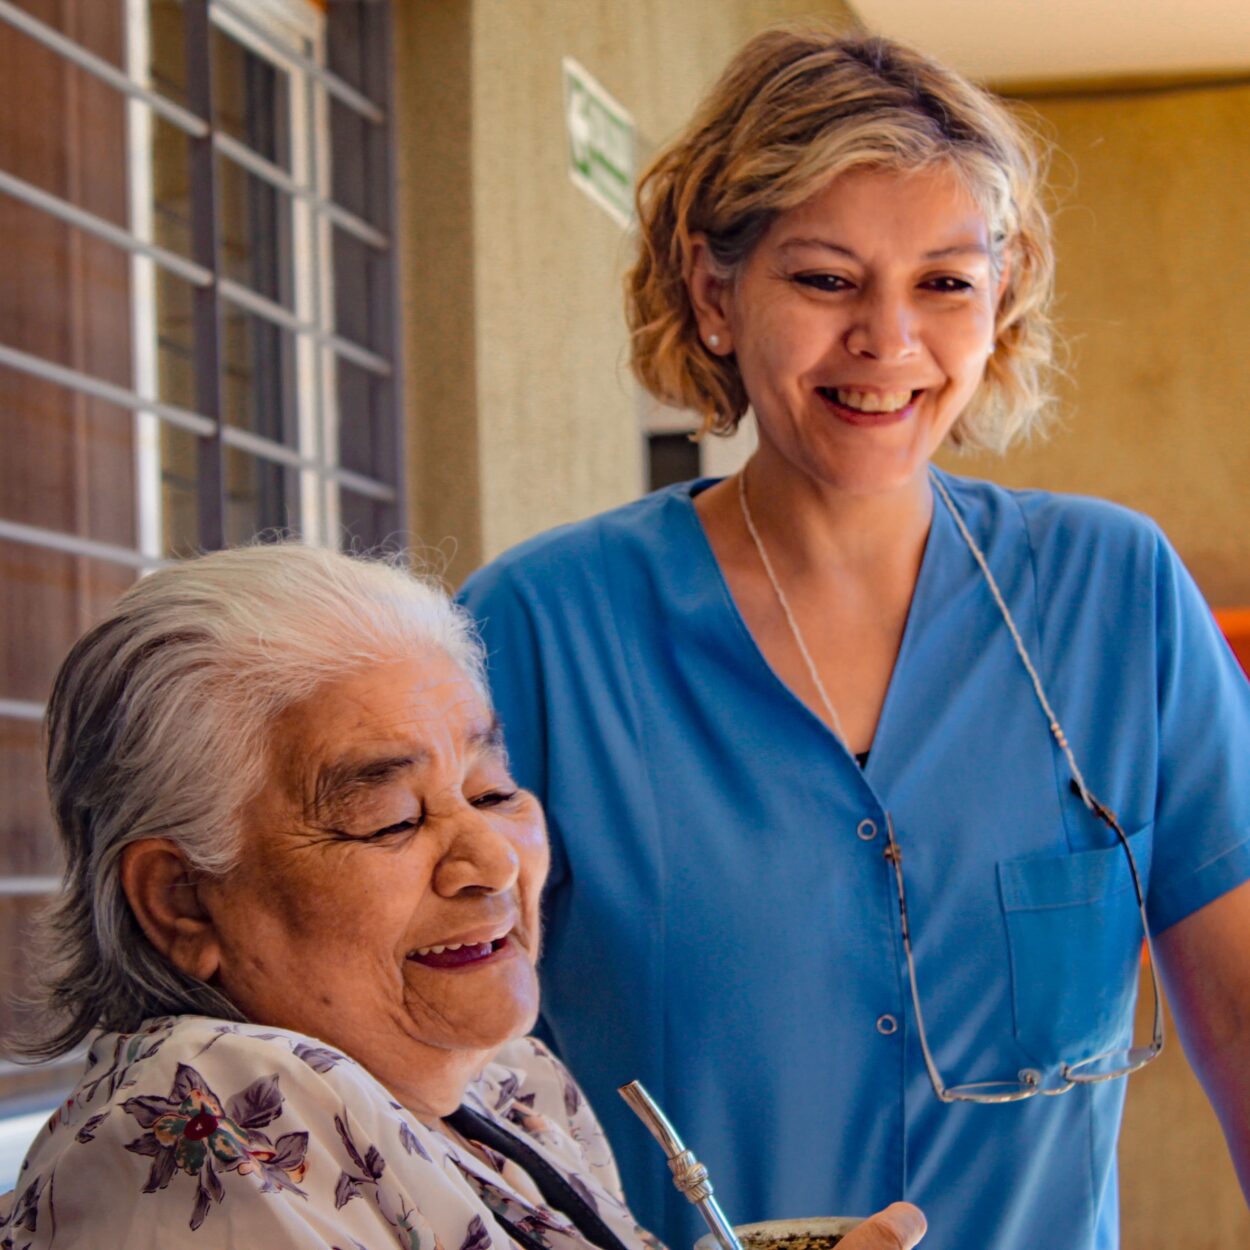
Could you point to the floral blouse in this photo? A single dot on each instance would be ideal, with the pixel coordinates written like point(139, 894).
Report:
point(198, 1133)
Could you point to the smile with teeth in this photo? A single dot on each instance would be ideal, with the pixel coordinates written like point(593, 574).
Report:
point(869, 401)
point(456, 954)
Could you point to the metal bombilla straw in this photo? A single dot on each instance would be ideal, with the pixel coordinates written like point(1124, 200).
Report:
point(689, 1175)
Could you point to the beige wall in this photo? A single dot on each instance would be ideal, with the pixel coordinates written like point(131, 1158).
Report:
point(522, 411)
point(1154, 298)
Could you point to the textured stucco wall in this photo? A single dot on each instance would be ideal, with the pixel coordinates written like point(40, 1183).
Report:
point(434, 234)
point(1154, 298)
point(522, 413)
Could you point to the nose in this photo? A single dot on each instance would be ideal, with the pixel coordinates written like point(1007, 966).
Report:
point(480, 858)
point(883, 327)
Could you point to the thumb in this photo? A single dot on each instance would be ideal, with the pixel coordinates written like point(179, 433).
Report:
point(899, 1227)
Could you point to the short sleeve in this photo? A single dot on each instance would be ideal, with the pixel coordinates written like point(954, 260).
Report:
point(1202, 815)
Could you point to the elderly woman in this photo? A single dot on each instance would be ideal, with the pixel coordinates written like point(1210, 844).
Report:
point(863, 778)
point(301, 908)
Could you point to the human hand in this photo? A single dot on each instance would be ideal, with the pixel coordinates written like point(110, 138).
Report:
point(899, 1227)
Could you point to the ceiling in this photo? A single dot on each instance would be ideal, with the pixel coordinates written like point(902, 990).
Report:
point(1015, 40)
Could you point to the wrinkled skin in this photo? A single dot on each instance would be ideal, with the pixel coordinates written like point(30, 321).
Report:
point(341, 878)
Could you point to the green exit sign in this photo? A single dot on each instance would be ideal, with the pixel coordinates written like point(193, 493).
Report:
point(601, 143)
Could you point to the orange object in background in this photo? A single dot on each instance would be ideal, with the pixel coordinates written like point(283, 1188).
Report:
point(1235, 622)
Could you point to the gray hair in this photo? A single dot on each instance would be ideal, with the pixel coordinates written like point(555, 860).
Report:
point(157, 727)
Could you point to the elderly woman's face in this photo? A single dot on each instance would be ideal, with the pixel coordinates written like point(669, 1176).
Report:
point(862, 323)
point(386, 897)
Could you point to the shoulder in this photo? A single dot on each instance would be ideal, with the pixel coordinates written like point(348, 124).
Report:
point(645, 526)
point(1053, 517)
point(165, 1047)
point(187, 1113)
point(529, 1088)
point(246, 1070)
point(141, 1090)
point(524, 1071)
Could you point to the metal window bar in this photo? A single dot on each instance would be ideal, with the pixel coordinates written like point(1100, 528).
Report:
point(266, 449)
point(199, 275)
point(191, 272)
point(276, 176)
point(79, 56)
point(186, 121)
point(348, 221)
point(206, 303)
point(331, 82)
point(370, 487)
point(63, 210)
point(194, 423)
point(21, 709)
point(76, 380)
point(199, 272)
point(319, 498)
point(244, 297)
point(192, 125)
point(76, 545)
point(28, 887)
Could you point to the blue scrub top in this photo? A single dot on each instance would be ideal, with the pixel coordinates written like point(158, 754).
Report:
point(722, 923)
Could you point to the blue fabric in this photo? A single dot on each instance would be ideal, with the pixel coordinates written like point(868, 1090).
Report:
point(721, 926)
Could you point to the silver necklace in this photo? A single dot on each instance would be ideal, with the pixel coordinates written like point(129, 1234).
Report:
point(1052, 720)
point(830, 711)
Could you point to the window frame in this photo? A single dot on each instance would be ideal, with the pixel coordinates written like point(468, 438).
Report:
point(261, 25)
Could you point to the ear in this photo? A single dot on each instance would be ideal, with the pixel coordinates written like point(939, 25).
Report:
point(711, 297)
point(164, 894)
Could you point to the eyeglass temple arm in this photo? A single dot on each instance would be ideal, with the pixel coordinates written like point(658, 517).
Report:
point(1108, 817)
point(895, 856)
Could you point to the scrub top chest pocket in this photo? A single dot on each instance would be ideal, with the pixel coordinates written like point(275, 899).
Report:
point(1074, 932)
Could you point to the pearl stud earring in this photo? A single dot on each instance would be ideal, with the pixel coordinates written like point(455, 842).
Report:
point(713, 340)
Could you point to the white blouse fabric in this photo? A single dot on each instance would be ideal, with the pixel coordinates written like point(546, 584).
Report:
point(198, 1133)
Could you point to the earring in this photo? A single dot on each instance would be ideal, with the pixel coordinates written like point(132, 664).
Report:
point(713, 340)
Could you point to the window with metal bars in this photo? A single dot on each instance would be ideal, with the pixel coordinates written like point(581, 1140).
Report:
point(197, 333)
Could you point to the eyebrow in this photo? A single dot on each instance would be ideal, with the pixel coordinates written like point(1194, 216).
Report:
point(338, 782)
point(941, 253)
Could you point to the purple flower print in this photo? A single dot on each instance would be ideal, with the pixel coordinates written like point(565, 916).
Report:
point(190, 1131)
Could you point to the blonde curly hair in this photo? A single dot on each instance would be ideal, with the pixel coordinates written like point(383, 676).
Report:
point(795, 108)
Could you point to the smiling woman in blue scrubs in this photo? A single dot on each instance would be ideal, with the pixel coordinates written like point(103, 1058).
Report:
point(760, 711)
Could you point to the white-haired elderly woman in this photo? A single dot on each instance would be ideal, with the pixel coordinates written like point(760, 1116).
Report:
point(299, 926)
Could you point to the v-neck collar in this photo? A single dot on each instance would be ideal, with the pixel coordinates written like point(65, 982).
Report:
point(941, 529)
point(501, 1196)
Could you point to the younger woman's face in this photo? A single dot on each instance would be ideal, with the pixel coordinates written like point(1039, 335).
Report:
point(861, 323)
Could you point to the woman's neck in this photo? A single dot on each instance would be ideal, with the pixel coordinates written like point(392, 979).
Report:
point(844, 570)
point(814, 531)
point(436, 1087)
